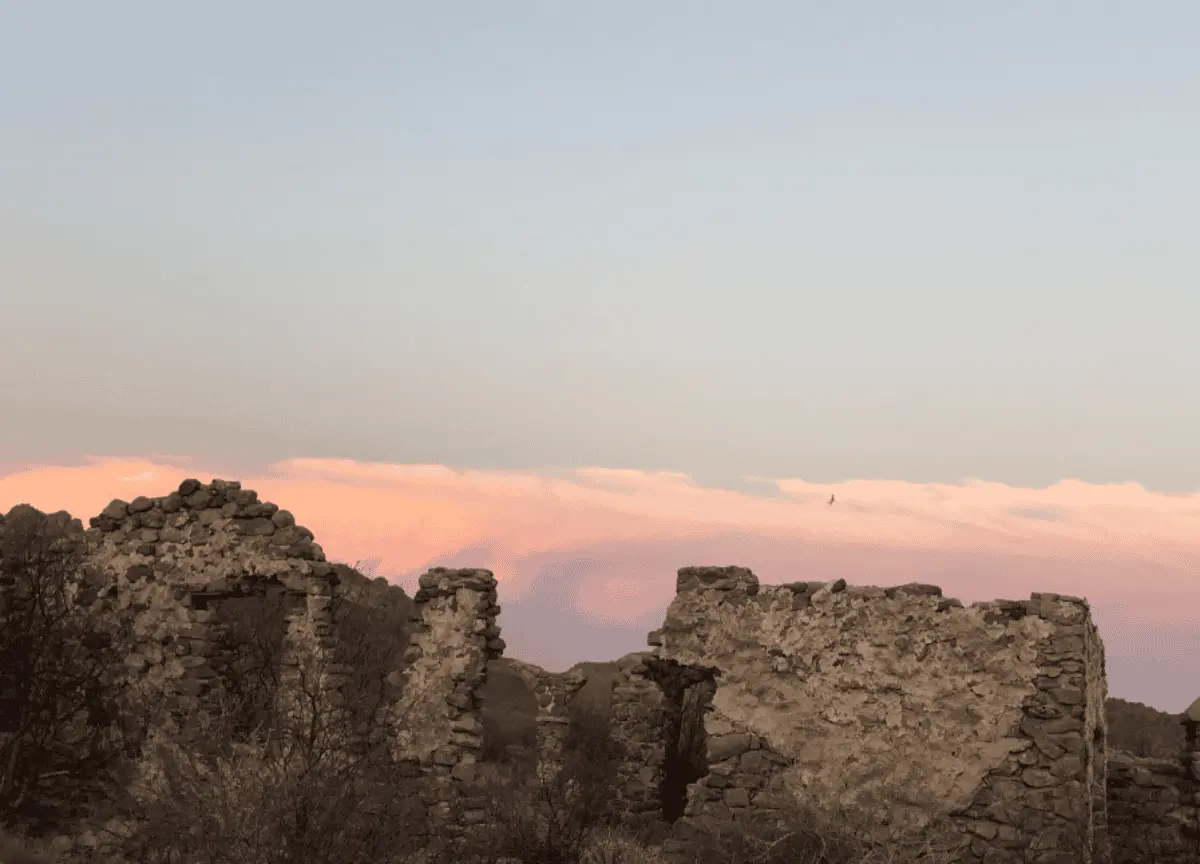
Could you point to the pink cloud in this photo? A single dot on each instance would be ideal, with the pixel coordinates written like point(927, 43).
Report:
point(1134, 553)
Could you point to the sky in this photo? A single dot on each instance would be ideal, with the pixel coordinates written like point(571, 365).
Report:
point(938, 257)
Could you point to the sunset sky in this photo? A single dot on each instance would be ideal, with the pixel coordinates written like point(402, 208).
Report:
point(587, 292)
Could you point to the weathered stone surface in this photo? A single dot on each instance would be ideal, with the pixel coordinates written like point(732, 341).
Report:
point(436, 717)
point(161, 563)
point(858, 690)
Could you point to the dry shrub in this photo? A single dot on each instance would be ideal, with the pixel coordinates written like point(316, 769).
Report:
point(545, 820)
point(274, 800)
point(590, 742)
point(61, 734)
point(284, 774)
point(806, 841)
point(19, 849)
point(508, 743)
point(609, 845)
point(558, 818)
point(862, 831)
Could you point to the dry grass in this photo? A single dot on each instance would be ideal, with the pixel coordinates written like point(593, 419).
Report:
point(797, 834)
point(18, 849)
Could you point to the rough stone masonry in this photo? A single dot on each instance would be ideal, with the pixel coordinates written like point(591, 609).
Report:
point(170, 560)
point(455, 637)
point(437, 716)
point(986, 720)
point(163, 566)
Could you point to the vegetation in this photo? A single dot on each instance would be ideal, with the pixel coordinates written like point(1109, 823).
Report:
point(271, 786)
point(63, 729)
point(1144, 731)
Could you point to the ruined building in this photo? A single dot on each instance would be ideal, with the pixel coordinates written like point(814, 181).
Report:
point(896, 706)
point(171, 561)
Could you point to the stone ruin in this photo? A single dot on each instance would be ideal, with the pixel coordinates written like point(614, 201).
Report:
point(455, 637)
point(446, 665)
point(985, 722)
point(171, 561)
point(168, 565)
point(895, 707)
point(164, 565)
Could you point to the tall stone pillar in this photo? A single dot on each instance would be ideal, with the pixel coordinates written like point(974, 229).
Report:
point(436, 718)
point(639, 717)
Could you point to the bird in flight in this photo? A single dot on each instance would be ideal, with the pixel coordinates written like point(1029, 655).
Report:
point(830, 499)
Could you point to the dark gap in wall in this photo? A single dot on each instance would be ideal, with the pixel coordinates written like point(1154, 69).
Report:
point(250, 634)
point(689, 692)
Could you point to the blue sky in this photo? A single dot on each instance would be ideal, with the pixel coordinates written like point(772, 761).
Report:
point(919, 241)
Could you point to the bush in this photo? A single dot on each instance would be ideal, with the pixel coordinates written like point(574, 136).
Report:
point(590, 739)
point(546, 820)
point(273, 777)
point(562, 818)
point(18, 849)
point(60, 730)
point(507, 742)
point(611, 846)
point(254, 803)
point(866, 827)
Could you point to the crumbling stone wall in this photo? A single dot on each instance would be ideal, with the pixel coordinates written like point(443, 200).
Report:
point(1095, 725)
point(1052, 793)
point(657, 716)
point(638, 717)
point(437, 715)
point(1154, 804)
point(170, 561)
point(985, 720)
point(687, 695)
point(167, 564)
point(553, 692)
point(161, 567)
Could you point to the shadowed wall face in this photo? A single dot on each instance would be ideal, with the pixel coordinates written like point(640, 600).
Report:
point(1154, 803)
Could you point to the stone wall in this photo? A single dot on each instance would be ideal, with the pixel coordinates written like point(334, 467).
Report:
point(657, 716)
point(166, 565)
point(986, 720)
point(1049, 800)
point(553, 693)
point(159, 569)
point(170, 561)
point(1154, 804)
point(638, 718)
point(437, 715)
